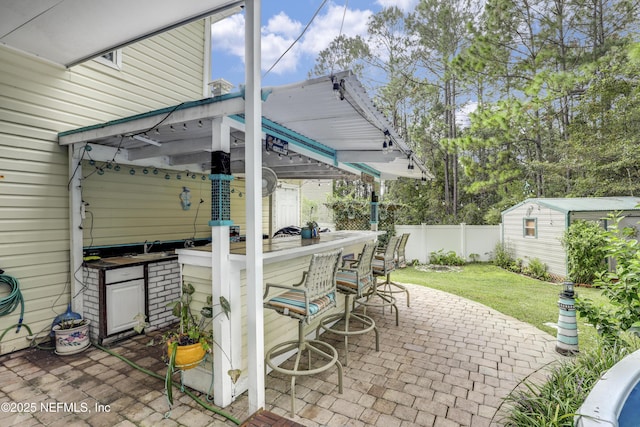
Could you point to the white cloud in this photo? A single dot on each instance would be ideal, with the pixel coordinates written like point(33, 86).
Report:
point(281, 31)
point(282, 24)
point(228, 35)
point(326, 27)
point(462, 115)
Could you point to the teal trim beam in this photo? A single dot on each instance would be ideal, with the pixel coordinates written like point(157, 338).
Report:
point(161, 111)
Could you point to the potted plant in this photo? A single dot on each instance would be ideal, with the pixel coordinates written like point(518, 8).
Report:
point(311, 230)
point(188, 344)
point(71, 335)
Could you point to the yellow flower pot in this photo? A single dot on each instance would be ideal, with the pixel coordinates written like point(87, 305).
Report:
point(187, 356)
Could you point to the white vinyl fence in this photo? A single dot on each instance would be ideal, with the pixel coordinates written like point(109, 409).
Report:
point(463, 239)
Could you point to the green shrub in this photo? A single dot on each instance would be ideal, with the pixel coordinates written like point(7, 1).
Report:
point(584, 242)
point(515, 266)
point(556, 402)
point(536, 269)
point(449, 258)
point(621, 287)
point(503, 256)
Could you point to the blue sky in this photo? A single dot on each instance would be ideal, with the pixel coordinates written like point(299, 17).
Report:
point(282, 23)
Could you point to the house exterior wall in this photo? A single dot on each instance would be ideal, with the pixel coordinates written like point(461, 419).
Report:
point(37, 101)
point(129, 209)
point(546, 245)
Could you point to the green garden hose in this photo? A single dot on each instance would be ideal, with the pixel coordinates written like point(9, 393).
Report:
point(9, 303)
point(153, 374)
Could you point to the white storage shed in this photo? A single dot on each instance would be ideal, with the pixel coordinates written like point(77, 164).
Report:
point(534, 228)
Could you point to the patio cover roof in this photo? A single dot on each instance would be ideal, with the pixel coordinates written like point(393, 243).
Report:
point(327, 137)
point(68, 32)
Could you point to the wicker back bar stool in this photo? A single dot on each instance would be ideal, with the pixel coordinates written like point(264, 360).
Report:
point(382, 265)
point(354, 280)
point(313, 296)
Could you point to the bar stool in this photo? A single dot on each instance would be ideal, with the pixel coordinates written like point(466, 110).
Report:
point(401, 260)
point(382, 265)
point(312, 297)
point(351, 281)
point(389, 287)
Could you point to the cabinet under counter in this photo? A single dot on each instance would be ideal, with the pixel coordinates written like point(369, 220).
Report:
point(115, 293)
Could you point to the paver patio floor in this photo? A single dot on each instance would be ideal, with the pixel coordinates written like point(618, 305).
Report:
point(450, 362)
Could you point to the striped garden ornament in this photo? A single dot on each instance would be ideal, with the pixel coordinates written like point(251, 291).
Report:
point(567, 343)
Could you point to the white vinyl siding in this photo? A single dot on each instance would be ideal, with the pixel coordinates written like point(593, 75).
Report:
point(129, 209)
point(546, 245)
point(38, 100)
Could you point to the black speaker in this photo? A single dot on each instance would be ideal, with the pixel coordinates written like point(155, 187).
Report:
point(220, 163)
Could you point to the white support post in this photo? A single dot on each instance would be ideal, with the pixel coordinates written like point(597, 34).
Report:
point(253, 154)
point(220, 286)
point(76, 214)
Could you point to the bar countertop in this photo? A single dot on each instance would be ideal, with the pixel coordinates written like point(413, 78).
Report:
point(281, 248)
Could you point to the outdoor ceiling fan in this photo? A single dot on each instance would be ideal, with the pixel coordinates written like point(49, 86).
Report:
point(269, 181)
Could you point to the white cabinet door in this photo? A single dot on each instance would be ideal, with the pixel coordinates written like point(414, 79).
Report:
point(124, 301)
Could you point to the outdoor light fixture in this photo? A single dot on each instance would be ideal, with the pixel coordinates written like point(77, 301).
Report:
point(144, 138)
point(338, 88)
point(410, 165)
point(387, 138)
point(567, 289)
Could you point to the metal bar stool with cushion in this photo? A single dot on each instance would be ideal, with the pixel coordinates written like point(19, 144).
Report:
point(401, 260)
point(389, 287)
point(382, 265)
point(312, 297)
point(354, 280)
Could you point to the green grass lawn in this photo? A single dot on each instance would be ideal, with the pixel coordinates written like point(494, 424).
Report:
point(526, 299)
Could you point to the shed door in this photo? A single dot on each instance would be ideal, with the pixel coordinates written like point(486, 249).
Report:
point(286, 206)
